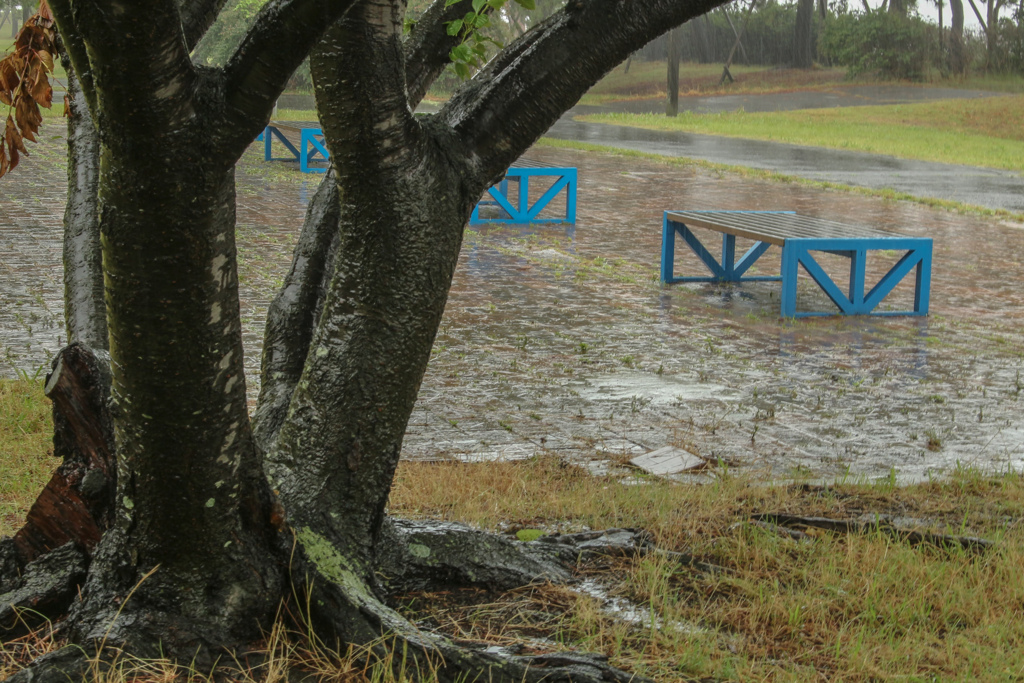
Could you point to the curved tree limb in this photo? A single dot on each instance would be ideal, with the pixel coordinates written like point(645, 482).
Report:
point(197, 16)
point(74, 47)
point(283, 34)
point(85, 314)
point(156, 93)
point(428, 46)
point(524, 90)
point(294, 312)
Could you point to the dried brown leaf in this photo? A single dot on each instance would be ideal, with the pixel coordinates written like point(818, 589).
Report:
point(3, 159)
point(12, 150)
point(13, 137)
point(42, 93)
point(46, 58)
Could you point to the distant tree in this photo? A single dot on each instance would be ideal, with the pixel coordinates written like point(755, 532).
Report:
point(803, 41)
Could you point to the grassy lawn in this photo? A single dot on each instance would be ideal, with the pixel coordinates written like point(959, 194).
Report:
point(648, 80)
point(760, 603)
point(985, 132)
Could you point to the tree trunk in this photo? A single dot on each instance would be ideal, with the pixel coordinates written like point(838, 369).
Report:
point(803, 41)
point(957, 57)
point(84, 310)
point(674, 50)
point(194, 510)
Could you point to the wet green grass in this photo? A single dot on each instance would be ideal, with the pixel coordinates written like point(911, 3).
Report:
point(25, 447)
point(775, 176)
point(985, 132)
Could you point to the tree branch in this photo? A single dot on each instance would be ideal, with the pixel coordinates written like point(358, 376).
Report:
point(367, 120)
point(428, 46)
point(197, 16)
point(74, 49)
point(136, 56)
point(524, 90)
point(283, 34)
point(293, 314)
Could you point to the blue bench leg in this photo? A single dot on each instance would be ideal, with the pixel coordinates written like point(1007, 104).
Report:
point(923, 281)
point(790, 265)
point(668, 249)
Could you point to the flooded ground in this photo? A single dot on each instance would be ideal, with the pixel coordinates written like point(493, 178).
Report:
point(560, 340)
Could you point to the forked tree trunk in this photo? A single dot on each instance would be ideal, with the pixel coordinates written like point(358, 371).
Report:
point(194, 555)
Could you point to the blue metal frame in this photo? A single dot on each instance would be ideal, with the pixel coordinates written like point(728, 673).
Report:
point(311, 143)
point(918, 258)
point(522, 211)
point(729, 270)
point(796, 252)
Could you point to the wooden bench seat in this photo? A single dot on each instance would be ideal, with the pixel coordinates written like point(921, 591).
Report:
point(800, 236)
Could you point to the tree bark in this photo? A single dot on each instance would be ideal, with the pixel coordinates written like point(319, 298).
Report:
point(803, 41)
point(674, 51)
point(84, 310)
point(957, 57)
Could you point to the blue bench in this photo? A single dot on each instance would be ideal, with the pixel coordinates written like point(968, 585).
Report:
point(311, 144)
point(518, 209)
point(800, 236)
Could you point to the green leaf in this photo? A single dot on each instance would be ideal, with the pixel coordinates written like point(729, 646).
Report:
point(462, 70)
point(527, 535)
point(454, 27)
point(461, 53)
point(481, 21)
point(526, 4)
point(478, 5)
point(449, 3)
point(480, 49)
point(495, 4)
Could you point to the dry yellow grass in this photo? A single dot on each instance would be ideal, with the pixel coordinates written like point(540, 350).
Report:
point(847, 607)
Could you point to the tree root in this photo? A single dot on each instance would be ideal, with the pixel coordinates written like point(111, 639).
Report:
point(435, 554)
point(45, 590)
point(850, 526)
point(428, 554)
point(77, 503)
point(65, 665)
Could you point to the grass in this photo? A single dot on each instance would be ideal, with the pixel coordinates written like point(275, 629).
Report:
point(25, 449)
point(648, 80)
point(986, 132)
point(775, 176)
point(841, 607)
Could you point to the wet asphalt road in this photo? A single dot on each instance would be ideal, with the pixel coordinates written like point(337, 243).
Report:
point(989, 188)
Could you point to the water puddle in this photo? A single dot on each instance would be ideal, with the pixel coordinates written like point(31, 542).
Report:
point(558, 340)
